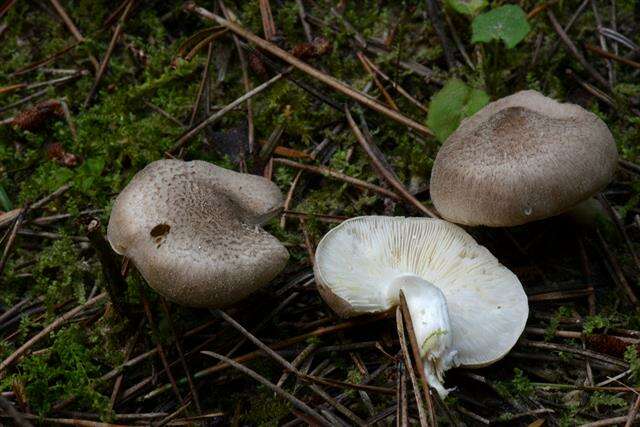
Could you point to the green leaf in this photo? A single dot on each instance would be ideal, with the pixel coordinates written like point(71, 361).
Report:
point(507, 23)
point(451, 104)
point(467, 7)
point(5, 202)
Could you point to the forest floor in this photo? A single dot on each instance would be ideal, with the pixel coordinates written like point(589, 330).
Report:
point(92, 91)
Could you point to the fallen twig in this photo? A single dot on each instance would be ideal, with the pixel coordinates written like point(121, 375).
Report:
point(574, 50)
point(47, 330)
point(182, 140)
point(389, 177)
point(415, 348)
point(319, 75)
point(278, 390)
point(73, 29)
point(107, 56)
point(338, 175)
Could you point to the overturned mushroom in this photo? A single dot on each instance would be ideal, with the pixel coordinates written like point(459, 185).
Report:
point(193, 231)
point(522, 158)
point(467, 308)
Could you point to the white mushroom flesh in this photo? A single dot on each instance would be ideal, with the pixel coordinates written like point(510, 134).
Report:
point(466, 307)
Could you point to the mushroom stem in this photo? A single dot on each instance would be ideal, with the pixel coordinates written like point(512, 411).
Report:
point(432, 326)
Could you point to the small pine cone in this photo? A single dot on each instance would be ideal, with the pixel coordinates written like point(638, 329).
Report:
point(304, 51)
point(36, 116)
point(256, 64)
point(56, 152)
point(613, 346)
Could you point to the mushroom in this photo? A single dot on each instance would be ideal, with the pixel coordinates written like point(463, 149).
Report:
point(193, 231)
point(522, 158)
point(467, 308)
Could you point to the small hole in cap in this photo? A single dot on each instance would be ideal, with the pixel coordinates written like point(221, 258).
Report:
point(160, 230)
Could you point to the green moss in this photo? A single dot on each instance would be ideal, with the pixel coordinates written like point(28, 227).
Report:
point(66, 370)
point(264, 409)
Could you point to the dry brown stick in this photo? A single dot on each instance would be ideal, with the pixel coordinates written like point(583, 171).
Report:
point(53, 82)
point(574, 50)
point(156, 337)
point(267, 149)
point(433, 12)
point(67, 421)
point(603, 42)
point(619, 274)
point(257, 342)
point(176, 338)
point(591, 88)
point(15, 309)
point(165, 114)
point(24, 100)
point(287, 152)
point(610, 421)
point(629, 166)
point(280, 345)
point(303, 20)
point(268, 25)
point(4, 8)
point(338, 406)
point(182, 140)
point(107, 56)
point(301, 357)
point(246, 81)
point(166, 420)
point(67, 116)
point(17, 417)
point(127, 354)
point(199, 347)
point(313, 72)
point(422, 416)
point(609, 55)
point(402, 417)
point(278, 390)
point(73, 29)
point(377, 82)
point(321, 170)
point(289, 198)
point(588, 275)
point(569, 349)
point(540, 8)
point(13, 233)
point(322, 218)
point(633, 412)
point(389, 177)
point(47, 330)
point(415, 348)
point(621, 229)
point(561, 295)
point(307, 241)
point(203, 84)
point(456, 40)
point(393, 84)
point(115, 284)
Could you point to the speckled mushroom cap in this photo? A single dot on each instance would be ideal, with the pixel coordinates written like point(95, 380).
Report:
point(522, 158)
point(357, 262)
point(193, 231)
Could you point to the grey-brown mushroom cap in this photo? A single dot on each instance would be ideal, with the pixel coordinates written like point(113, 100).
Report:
point(522, 158)
point(193, 231)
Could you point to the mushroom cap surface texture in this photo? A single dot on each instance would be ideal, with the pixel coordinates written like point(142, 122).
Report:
point(193, 231)
point(357, 260)
point(522, 158)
